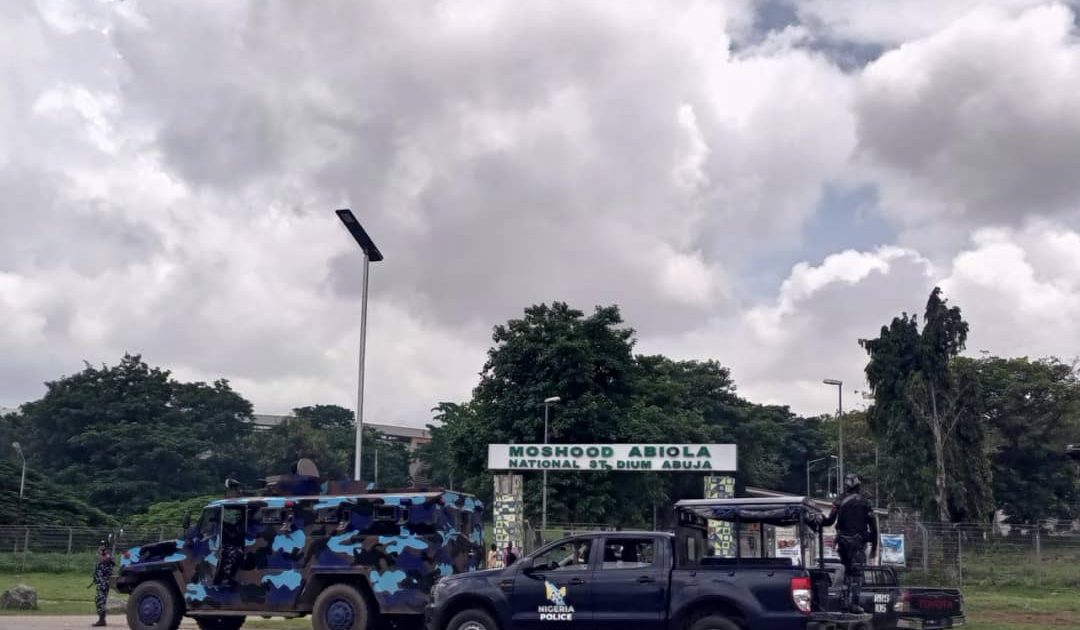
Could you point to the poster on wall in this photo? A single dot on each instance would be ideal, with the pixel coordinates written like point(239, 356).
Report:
point(892, 550)
point(787, 544)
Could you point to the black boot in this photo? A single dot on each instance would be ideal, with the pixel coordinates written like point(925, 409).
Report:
point(100, 622)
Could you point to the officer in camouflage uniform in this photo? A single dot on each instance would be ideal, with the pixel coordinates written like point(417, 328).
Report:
point(102, 575)
point(855, 527)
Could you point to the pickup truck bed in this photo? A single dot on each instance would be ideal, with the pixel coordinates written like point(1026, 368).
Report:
point(896, 606)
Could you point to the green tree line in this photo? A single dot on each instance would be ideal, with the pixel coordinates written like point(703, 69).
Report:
point(952, 436)
point(125, 437)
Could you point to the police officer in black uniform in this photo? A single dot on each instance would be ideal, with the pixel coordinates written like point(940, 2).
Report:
point(855, 527)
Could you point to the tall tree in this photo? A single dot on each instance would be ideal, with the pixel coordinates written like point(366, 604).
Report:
point(920, 400)
point(1033, 409)
point(118, 434)
point(587, 361)
point(607, 396)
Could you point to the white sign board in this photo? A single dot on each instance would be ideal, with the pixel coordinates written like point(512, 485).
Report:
point(787, 544)
point(892, 549)
point(629, 457)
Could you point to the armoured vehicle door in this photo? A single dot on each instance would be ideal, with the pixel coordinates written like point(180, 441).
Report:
point(217, 550)
point(205, 542)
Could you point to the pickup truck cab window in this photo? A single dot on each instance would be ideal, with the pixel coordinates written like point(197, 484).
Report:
point(572, 555)
point(628, 553)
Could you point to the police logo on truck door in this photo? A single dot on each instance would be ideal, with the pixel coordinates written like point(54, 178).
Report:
point(558, 610)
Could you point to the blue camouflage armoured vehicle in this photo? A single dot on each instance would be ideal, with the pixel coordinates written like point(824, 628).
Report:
point(346, 555)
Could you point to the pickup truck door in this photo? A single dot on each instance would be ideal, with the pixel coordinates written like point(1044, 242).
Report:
point(557, 591)
point(630, 585)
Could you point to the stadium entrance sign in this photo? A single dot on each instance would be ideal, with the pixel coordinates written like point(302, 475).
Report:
point(629, 457)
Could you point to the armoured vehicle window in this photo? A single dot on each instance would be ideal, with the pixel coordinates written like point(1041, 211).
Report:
point(210, 523)
point(386, 513)
point(572, 555)
point(269, 516)
point(234, 515)
point(326, 515)
point(628, 553)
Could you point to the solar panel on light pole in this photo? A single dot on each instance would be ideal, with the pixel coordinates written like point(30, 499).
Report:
point(371, 254)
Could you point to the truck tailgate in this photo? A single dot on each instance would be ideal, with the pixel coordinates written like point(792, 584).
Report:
point(930, 602)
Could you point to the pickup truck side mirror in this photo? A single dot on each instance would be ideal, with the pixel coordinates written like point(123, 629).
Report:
point(526, 565)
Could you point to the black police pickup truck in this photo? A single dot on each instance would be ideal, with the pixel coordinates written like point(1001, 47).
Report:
point(896, 606)
point(658, 581)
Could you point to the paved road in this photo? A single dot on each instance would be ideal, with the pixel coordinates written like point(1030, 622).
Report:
point(82, 622)
point(65, 622)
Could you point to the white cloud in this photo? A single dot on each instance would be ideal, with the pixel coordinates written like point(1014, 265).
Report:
point(1020, 289)
point(169, 172)
point(976, 122)
point(780, 350)
point(893, 23)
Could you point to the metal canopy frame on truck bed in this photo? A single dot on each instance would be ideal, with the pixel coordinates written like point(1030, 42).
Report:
point(776, 511)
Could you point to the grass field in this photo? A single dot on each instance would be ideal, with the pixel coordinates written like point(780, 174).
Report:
point(989, 608)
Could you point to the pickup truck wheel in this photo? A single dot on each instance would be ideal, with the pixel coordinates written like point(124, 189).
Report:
point(340, 607)
point(219, 623)
point(153, 605)
point(714, 622)
point(472, 619)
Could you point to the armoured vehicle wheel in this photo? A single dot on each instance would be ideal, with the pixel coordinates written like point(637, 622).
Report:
point(473, 619)
point(714, 622)
point(340, 607)
point(153, 605)
point(219, 623)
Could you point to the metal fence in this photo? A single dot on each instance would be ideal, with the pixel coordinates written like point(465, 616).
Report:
point(73, 540)
point(935, 554)
point(966, 554)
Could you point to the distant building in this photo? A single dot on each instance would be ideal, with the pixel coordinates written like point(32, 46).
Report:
point(411, 437)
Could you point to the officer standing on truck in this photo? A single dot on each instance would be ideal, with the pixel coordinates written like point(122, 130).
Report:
point(102, 575)
point(855, 527)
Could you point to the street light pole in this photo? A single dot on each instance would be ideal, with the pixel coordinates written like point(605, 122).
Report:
point(839, 420)
point(371, 254)
point(22, 482)
point(811, 463)
point(543, 499)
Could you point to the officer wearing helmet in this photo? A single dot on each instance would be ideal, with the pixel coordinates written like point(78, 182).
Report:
point(855, 527)
point(102, 575)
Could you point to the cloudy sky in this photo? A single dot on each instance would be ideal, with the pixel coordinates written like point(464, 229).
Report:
point(758, 182)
